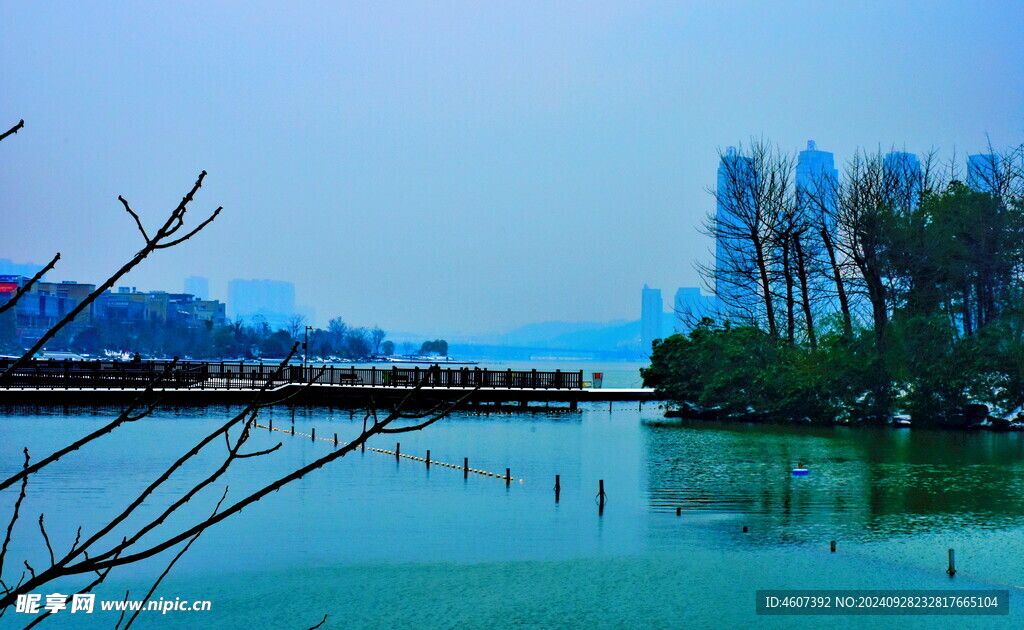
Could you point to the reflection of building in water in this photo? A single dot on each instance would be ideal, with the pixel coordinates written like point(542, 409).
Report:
point(864, 483)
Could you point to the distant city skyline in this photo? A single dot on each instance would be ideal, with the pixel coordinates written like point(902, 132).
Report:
point(459, 168)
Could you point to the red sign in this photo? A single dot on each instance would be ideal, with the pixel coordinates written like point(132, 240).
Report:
point(8, 287)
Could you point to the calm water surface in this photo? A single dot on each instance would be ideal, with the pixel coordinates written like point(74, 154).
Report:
point(376, 543)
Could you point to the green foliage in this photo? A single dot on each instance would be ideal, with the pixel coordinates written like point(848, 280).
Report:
point(437, 346)
point(745, 373)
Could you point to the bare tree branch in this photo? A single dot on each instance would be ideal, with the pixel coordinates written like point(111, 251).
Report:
point(14, 129)
point(170, 565)
point(138, 222)
point(42, 530)
point(199, 227)
point(14, 516)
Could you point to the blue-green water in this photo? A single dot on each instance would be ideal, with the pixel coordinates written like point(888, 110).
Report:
point(377, 543)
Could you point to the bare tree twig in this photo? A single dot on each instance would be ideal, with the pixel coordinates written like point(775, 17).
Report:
point(322, 622)
point(14, 516)
point(49, 548)
point(138, 222)
point(199, 227)
point(123, 609)
point(14, 129)
point(258, 453)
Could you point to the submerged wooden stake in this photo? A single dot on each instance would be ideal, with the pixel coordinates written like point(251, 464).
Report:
point(465, 468)
point(398, 451)
point(508, 477)
point(952, 564)
point(428, 459)
point(833, 546)
point(558, 487)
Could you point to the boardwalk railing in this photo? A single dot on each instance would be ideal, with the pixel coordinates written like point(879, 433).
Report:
point(64, 374)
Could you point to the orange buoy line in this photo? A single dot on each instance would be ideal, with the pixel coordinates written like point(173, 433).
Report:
point(433, 462)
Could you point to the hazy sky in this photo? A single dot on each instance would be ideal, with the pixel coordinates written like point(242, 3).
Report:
point(464, 167)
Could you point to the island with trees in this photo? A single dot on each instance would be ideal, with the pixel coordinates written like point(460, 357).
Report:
point(890, 293)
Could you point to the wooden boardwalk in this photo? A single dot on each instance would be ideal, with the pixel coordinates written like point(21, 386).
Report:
point(110, 382)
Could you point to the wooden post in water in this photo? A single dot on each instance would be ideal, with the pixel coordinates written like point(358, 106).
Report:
point(293, 428)
point(952, 564)
point(508, 477)
point(679, 511)
point(428, 459)
point(558, 487)
point(601, 497)
point(832, 546)
point(398, 450)
point(312, 434)
point(270, 427)
point(745, 530)
point(335, 440)
point(465, 468)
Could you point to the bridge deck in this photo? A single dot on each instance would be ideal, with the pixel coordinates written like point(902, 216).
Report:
point(328, 394)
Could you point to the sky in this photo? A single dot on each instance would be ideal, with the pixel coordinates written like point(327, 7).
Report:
point(458, 167)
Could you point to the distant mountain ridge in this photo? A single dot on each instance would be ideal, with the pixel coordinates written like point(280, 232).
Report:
point(619, 338)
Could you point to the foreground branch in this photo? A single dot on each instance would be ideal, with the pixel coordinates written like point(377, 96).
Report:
point(14, 129)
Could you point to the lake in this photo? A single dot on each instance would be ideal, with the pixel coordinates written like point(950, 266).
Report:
point(374, 542)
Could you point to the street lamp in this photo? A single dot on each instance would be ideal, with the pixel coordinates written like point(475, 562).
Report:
point(305, 347)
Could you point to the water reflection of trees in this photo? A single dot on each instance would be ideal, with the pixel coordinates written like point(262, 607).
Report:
point(863, 483)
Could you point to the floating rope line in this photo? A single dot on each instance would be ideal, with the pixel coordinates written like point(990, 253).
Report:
point(433, 462)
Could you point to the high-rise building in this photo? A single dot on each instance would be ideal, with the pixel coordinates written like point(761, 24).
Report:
point(271, 300)
point(735, 199)
point(903, 172)
point(983, 172)
point(690, 307)
point(816, 182)
point(198, 286)
point(651, 307)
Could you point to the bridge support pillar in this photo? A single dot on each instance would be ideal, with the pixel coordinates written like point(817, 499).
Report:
point(574, 404)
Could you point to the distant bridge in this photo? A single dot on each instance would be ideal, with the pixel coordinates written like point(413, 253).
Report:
point(206, 382)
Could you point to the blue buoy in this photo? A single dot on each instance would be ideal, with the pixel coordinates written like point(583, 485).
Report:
point(801, 472)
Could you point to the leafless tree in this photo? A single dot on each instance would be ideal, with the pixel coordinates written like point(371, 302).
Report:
point(756, 273)
point(376, 338)
point(295, 325)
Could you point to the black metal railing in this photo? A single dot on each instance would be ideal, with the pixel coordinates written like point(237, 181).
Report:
point(64, 374)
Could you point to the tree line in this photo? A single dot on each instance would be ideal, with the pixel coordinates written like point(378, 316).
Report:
point(891, 288)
